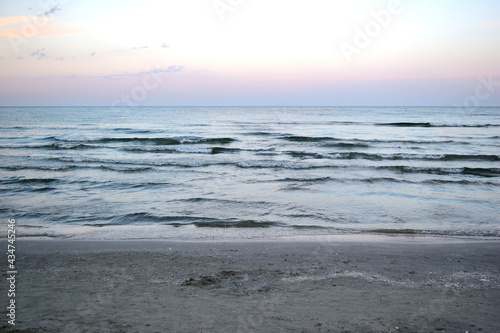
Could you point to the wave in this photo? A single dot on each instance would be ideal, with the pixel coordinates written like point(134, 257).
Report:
point(459, 157)
point(43, 189)
point(41, 235)
point(70, 167)
point(396, 156)
point(298, 138)
point(135, 163)
point(182, 220)
point(13, 127)
point(363, 143)
point(78, 146)
point(425, 124)
point(473, 232)
point(405, 124)
point(189, 163)
point(134, 131)
point(456, 182)
point(376, 180)
point(306, 180)
point(163, 150)
point(482, 172)
point(37, 167)
point(213, 150)
point(259, 134)
point(54, 146)
point(28, 181)
point(417, 142)
point(384, 180)
point(272, 164)
point(346, 145)
point(222, 150)
point(126, 169)
point(140, 140)
point(34, 189)
point(184, 163)
point(236, 224)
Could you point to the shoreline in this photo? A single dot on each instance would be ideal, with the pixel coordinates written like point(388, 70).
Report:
point(352, 238)
point(161, 232)
point(329, 284)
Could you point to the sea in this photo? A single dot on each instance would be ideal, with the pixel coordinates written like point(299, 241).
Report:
point(75, 171)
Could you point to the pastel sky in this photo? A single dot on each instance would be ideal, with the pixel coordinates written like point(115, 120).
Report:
point(250, 52)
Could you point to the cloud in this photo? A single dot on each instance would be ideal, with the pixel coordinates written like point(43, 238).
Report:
point(36, 21)
point(51, 11)
point(35, 26)
point(39, 54)
point(92, 54)
point(19, 20)
point(169, 69)
point(164, 45)
point(126, 75)
point(20, 58)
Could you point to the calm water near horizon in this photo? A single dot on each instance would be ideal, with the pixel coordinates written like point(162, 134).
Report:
point(347, 169)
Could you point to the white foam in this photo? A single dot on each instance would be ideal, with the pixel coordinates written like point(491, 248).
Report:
point(77, 138)
point(272, 164)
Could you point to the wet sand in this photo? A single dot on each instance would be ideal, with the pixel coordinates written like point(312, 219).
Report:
point(337, 284)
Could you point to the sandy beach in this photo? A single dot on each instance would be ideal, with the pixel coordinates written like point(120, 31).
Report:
point(342, 284)
point(230, 166)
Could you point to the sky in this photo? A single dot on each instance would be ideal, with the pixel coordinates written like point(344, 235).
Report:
point(250, 52)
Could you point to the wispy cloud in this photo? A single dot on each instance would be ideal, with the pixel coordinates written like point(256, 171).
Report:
point(163, 46)
point(92, 54)
point(19, 20)
point(51, 11)
point(36, 21)
point(127, 75)
point(13, 27)
point(39, 54)
point(169, 69)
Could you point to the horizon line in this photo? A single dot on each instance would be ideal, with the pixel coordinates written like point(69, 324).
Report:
point(229, 106)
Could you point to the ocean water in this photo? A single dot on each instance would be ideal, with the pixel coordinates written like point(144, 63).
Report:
point(339, 169)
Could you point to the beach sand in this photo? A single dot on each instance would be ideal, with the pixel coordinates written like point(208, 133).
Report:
point(324, 284)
